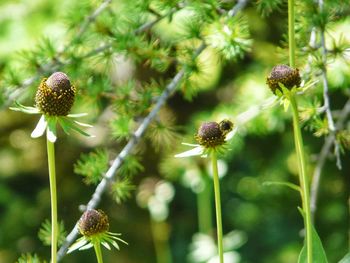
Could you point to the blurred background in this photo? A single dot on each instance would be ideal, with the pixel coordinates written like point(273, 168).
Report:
point(165, 206)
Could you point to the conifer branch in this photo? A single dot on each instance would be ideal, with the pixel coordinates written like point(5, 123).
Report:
point(326, 100)
point(135, 138)
point(323, 157)
point(55, 64)
point(91, 18)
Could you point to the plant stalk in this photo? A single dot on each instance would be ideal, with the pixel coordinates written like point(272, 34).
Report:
point(304, 182)
point(160, 234)
point(53, 193)
point(98, 252)
point(205, 223)
point(217, 205)
point(291, 33)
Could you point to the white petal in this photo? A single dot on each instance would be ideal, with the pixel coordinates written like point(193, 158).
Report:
point(106, 245)
point(87, 246)
point(230, 135)
point(195, 151)
point(190, 144)
point(80, 242)
point(83, 124)
point(115, 244)
point(51, 136)
point(77, 115)
point(40, 128)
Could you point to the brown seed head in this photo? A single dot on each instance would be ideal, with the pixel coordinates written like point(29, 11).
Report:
point(55, 95)
point(93, 222)
point(285, 75)
point(210, 135)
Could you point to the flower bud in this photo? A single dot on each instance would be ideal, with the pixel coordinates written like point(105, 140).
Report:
point(210, 135)
point(285, 75)
point(55, 95)
point(93, 222)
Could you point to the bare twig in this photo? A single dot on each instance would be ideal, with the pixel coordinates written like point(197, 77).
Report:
point(323, 157)
point(331, 126)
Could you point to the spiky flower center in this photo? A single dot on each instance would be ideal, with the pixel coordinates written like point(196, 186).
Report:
point(212, 134)
point(55, 95)
point(93, 222)
point(285, 75)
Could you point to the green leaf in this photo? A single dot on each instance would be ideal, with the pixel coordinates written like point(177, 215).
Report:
point(290, 185)
point(318, 253)
point(345, 259)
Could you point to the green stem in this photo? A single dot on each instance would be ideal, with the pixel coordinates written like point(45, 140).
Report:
point(291, 33)
point(217, 204)
point(160, 234)
point(304, 182)
point(204, 208)
point(98, 252)
point(53, 192)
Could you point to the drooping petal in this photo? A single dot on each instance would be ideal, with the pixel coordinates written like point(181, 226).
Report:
point(193, 152)
point(106, 245)
point(78, 244)
point(87, 246)
point(72, 126)
point(230, 135)
point(65, 127)
point(83, 124)
point(115, 244)
point(189, 144)
point(51, 130)
point(40, 128)
point(77, 115)
point(25, 109)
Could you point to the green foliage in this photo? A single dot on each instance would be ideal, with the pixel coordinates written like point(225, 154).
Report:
point(28, 258)
point(229, 36)
point(318, 254)
point(266, 7)
point(120, 62)
point(346, 259)
point(131, 166)
point(122, 189)
point(92, 166)
point(44, 233)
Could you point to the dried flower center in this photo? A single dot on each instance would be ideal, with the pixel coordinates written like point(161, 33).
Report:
point(55, 95)
point(93, 222)
point(285, 75)
point(210, 135)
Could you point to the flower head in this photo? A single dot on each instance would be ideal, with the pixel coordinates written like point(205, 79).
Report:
point(94, 226)
point(285, 75)
point(55, 95)
point(93, 222)
point(54, 100)
point(210, 136)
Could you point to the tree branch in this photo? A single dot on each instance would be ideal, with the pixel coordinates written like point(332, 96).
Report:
point(111, 173)
point(55, 64)
point(323, 156)
point(327, 107)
